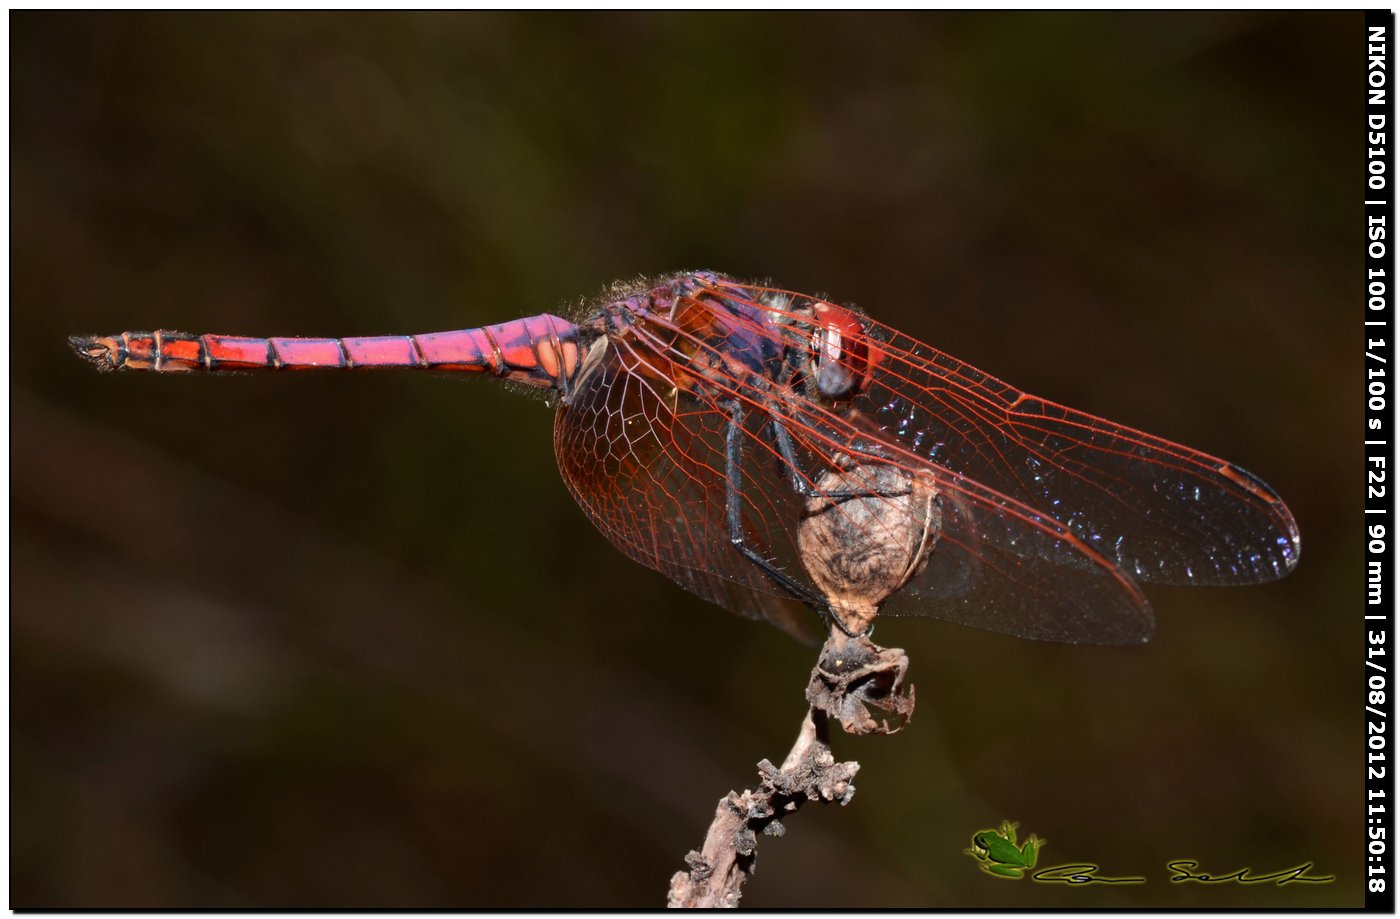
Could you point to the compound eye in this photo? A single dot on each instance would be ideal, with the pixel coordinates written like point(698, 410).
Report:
point(840, 354)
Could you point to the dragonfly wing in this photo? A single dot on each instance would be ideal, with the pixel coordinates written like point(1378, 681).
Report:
point(991, 582)
point(1161, 511)
point(647, 465)
point(996, 564)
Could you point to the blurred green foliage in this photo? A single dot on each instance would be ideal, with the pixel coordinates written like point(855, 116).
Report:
point(343, 640)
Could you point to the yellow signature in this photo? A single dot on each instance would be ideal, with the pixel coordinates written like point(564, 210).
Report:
point(1183, 871)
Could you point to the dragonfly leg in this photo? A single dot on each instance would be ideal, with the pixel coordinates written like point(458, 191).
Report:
point(788, 460)
point(733, 475)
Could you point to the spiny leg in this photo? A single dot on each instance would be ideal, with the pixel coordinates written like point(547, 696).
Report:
point(788, 460)
point(787, 452)
point(733, 475)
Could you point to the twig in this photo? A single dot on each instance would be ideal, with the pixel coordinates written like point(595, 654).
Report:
point(726, 859)
point(850, 675)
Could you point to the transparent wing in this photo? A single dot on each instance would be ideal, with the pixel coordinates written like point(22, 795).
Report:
point(648, 467)
point(1161, 511)
point(997, 564)
point(646, 460)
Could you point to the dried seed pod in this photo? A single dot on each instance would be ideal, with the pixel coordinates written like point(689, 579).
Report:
point(858, 683)
point(869, 532)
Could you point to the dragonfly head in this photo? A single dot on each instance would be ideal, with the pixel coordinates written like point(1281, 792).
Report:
point(840, 353)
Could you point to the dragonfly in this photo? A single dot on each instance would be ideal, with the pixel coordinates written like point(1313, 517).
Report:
point(776, 452)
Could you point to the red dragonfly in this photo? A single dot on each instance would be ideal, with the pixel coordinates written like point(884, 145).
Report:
point(769, 450)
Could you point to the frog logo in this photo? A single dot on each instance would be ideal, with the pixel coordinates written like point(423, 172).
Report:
point(998, 854)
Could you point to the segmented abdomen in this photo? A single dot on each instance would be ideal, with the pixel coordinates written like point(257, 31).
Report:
point(538, 350)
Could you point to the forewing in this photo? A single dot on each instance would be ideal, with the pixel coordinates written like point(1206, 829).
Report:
point(1161, 511)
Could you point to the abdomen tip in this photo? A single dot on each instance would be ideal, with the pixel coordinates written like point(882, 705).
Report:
point(96, 350)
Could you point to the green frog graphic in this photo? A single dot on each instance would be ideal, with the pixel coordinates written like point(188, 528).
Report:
point(998, 854)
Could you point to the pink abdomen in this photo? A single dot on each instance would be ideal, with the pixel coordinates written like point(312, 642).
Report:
point(540, 350)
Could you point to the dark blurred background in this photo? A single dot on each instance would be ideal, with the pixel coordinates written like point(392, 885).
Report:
point(344, 640)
